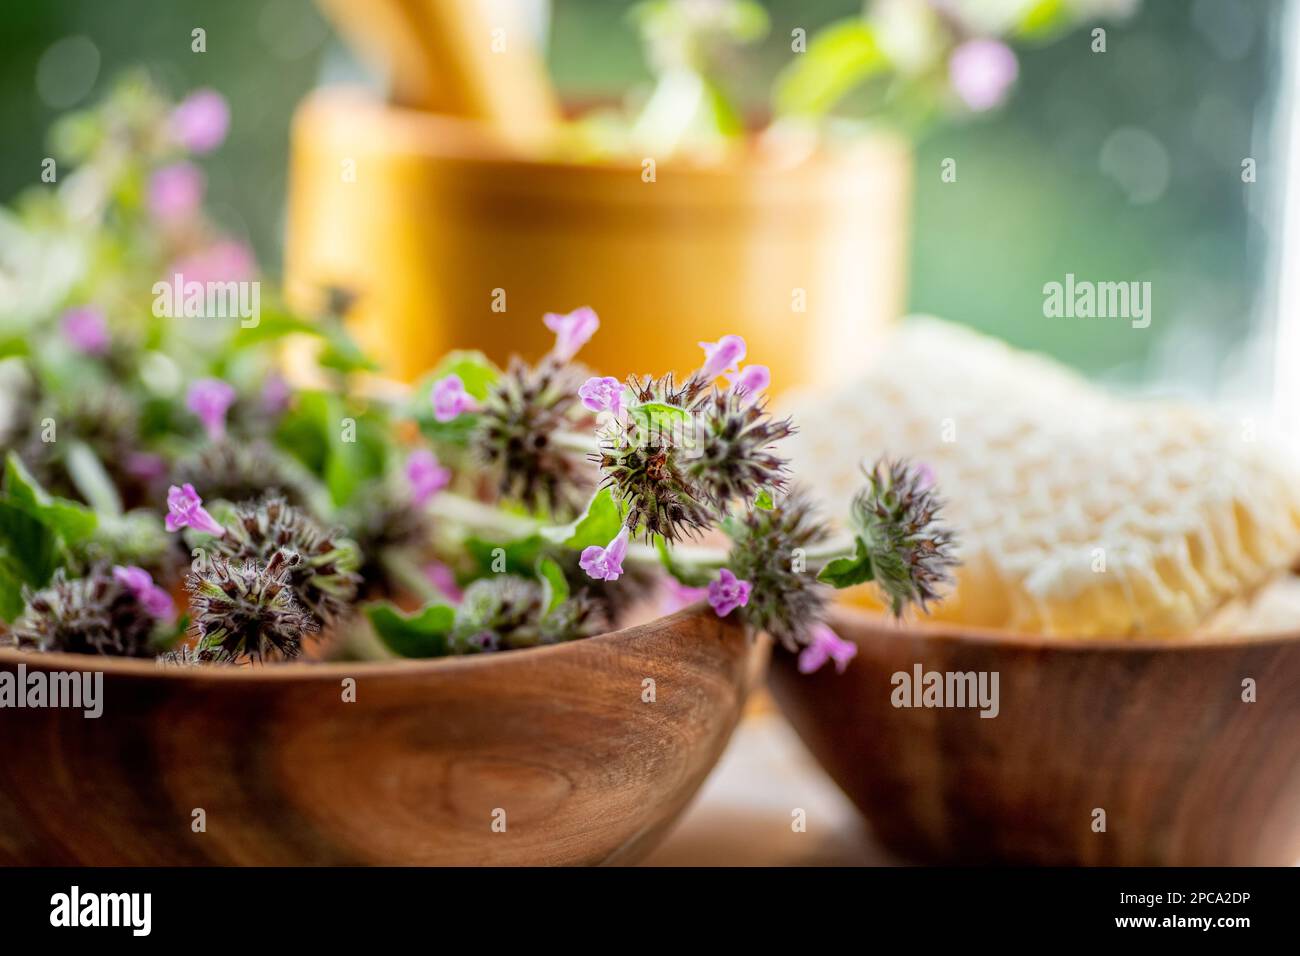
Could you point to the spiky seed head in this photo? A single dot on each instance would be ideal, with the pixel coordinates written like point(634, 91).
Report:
point(767, 547)
point(646, 475)
point(515, 431)
point(733, 455)
point(665, 389)
point(383, 521)
point(94, 614)
point(248, 610)
point(104, 418)
point(897, 515)
point(325, 581)
point(235, 471)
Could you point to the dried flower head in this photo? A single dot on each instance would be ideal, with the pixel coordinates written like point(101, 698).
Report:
point(247, 610)
point(515, 434)
point(896, 516)
point(381, 521)
point(733, 457)
point(505, 612)
point(240, 471)
point(325, 581)
point(97, 614)
point(767, 551)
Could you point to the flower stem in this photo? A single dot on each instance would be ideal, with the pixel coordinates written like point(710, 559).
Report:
point(402, 569)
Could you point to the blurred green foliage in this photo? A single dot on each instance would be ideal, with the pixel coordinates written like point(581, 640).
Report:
point(1044, 187)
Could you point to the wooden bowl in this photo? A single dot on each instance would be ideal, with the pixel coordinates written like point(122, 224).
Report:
point(557, 743)
point(1156, 735)
point(433, 224)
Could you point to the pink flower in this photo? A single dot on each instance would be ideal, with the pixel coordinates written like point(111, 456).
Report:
point(824, 646)
point(450, 398)
point(982, 71)
point(145, 465)
point(176, 192)
point(724, 355)
point(86, 329)
point(210, 399)
point(185, 510)
point(602, 394)
point(728, 592)
point(571, 331)
point(444, 580)
point(750, 380)
point(924, 476)
point(276, 394)
point(605, 564)
point(677, 595)
point(201, 120)
point(425, 475)
point(155, 601)
point(224, 261)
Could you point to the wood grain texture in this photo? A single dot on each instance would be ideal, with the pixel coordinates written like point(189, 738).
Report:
point(1157, 735)
point(411, 773)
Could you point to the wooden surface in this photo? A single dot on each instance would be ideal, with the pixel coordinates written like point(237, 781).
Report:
point(1156, 735)
point(411, 773)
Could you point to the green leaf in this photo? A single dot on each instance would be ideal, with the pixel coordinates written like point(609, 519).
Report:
point(1044, 20)
point(11, 589)
point(655, 417)
point(68, 519)
point(476, 372)
point(555, 586)
point(840, 57)
point(848, 571)
point(29, 546)
point(598, 525)
point(420, 634)
point(272, 326)
point(764, 501)
point(510, 557)
point(92, 480)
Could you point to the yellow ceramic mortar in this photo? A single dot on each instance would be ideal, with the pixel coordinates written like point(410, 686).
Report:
point(427, 216)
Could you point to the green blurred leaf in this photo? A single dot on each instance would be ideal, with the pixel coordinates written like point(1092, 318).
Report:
point(598, 524)
point(840, 57)
point(555, 586)
point(511, 557)
point(691, 577)
point(848, 571)
point(420, 634)
point(764, 501)
point(92, 480)
point(71, 521)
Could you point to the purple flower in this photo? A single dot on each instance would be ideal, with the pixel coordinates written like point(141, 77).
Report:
point(224, 261)
point(824, 646)
point(924, 476)
point(210, 399)
point(724, 355)
point(86, 330)
point(155, 601)
point(602, 394)
point(425, 475)
point(677, 595)
point(750, 380)
point(605, 564)
point(176, 192)
point(571, 331)
point(450, 398)
point(185, 510)
point(145, 465)
point(276, 394)
point(728, 592)
point(200, 121)
point(444, 580)
point(982, 71)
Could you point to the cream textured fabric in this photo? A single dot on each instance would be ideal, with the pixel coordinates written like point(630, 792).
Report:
point(1079, 513)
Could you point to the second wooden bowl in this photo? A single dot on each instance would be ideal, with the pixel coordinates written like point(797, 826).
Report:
point(1159, 743)
point(576, 753)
